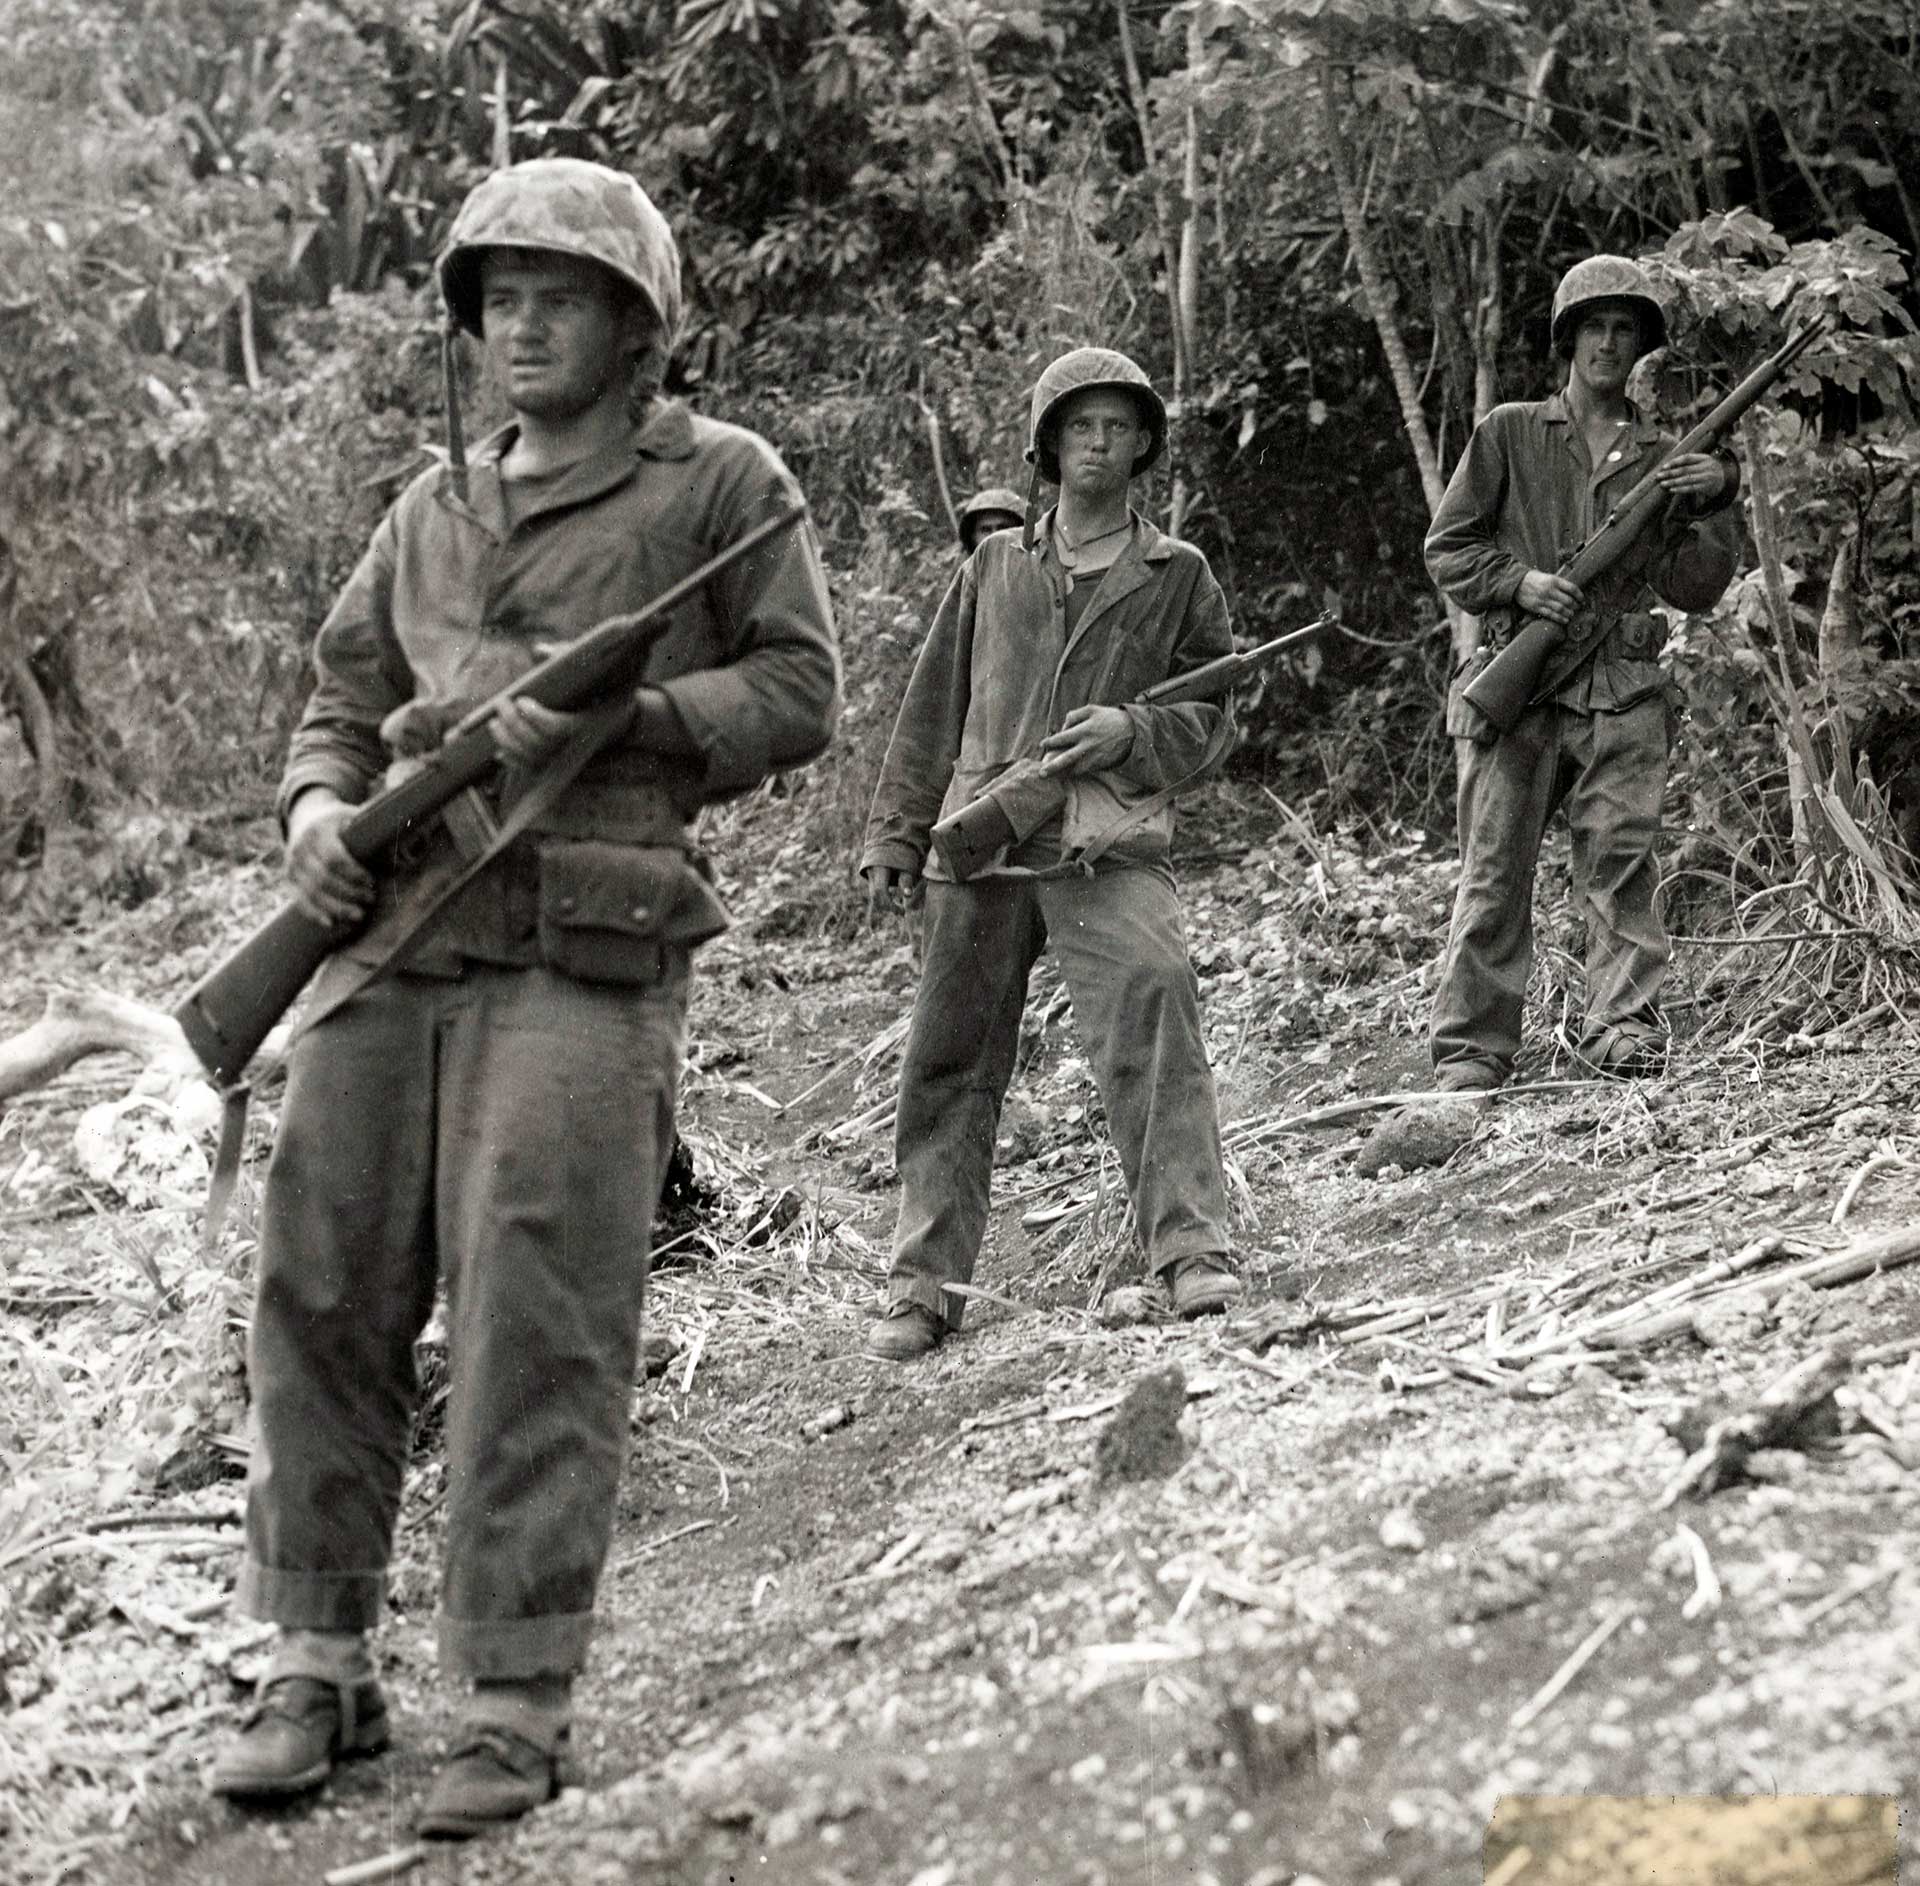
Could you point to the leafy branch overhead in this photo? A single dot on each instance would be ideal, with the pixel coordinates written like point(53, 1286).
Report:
point(1331, 229)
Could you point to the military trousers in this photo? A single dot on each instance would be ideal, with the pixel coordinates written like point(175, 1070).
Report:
point(507, 1129)
point(1609, 770)
point(1121, 945)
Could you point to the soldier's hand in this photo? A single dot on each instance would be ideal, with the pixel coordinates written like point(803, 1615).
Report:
point(1090, 740)
point(889, 887)
point(1543, 594)
point(1698, 477)
point(328, 881)
point(527, 733)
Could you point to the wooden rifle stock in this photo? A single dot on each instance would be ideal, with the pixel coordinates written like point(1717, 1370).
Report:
point(1510, 683)
point(231, 1010)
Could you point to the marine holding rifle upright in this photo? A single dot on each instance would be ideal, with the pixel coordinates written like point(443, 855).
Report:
point(498, 1109)
point(1037, 645)
point(1537, 478)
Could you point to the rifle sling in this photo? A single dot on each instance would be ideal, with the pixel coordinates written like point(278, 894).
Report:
point(429, 897)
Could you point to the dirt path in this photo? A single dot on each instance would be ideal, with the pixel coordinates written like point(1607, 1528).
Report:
point(871, 1624)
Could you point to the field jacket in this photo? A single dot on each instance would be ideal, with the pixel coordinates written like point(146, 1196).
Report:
point(447, 605)
point(1524, 497)
point(998, 673)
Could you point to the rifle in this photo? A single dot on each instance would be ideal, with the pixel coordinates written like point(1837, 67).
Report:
point(1029, 792)
point(229, 1012)
point(1542, 654)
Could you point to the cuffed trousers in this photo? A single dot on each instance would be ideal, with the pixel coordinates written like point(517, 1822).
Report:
point(511, 1129)
point(1609, 770)
point(1121, 946)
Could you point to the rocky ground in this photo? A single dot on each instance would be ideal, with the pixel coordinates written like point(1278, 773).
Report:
point(1301, 1595)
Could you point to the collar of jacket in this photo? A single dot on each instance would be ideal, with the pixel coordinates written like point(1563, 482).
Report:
point(1149, 543)
point(1554, 411)
point(666, 432)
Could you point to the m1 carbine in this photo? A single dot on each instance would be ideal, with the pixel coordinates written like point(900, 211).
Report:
point(1542, 655)
point(1030, 792)
point(231, 1010)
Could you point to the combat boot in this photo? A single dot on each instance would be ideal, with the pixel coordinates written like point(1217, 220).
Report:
point(298, 1727)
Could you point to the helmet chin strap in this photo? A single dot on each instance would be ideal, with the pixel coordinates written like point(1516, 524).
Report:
point(456, 432)
point(1033, 506)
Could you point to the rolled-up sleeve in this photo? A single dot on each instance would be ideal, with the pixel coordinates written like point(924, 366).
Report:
point(361, 675)
point(925, 745)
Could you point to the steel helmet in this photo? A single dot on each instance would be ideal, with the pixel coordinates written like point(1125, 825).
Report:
point(1074, 373)
point(1606, 278)
point(984, 503)
point(573, 208)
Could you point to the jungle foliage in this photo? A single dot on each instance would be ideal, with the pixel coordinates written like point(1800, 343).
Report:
point(1332, 228)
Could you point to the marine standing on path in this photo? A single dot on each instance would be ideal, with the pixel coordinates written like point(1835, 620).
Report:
point(1034, 650)
point(1537, 478)
point(500, 1109)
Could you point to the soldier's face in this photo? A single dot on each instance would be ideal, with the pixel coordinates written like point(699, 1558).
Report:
point(557, 333)
point(1606, 343)
point(985, 523)
point(1100, 437)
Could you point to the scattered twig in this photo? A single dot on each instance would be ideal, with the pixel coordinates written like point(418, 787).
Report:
point(667, 1538)
point(1479, 1372)
point(1544, 1698)
point(1248, 1360)
point(889, 1562)
point(1878, 1163)
point(1006, 1418)
point(1706, 1593)
point(1854, 1588)
point(382, 1866)
point(1251, 1132)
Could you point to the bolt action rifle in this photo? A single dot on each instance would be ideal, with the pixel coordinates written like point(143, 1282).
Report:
point(230, 1011)
point(1542, 655)
point(1030, 791)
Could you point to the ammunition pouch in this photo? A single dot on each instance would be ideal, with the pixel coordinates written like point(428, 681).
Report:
point(1639, 635)
point(622, 913)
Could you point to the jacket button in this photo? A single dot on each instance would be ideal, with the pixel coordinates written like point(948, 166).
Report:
point(641, 913)
point(568, 905)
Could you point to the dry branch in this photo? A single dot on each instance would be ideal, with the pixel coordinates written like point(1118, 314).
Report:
point(75, 1025)
point(1782, 1405)
point(1544, 1697)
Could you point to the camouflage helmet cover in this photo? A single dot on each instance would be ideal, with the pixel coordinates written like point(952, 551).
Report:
point(1076, 372)
point(1606, 278)
point(985, 502)
point(571, 207)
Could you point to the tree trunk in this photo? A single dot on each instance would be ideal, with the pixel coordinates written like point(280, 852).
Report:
point(1178, 255)
point(1186, 289)
point(35, 711)
point(1378, 290)
point(1795, 752)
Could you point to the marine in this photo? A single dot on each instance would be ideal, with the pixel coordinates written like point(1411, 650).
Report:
point(495, 1111)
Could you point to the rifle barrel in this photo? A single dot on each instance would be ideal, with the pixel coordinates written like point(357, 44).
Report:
point(1200, 681)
